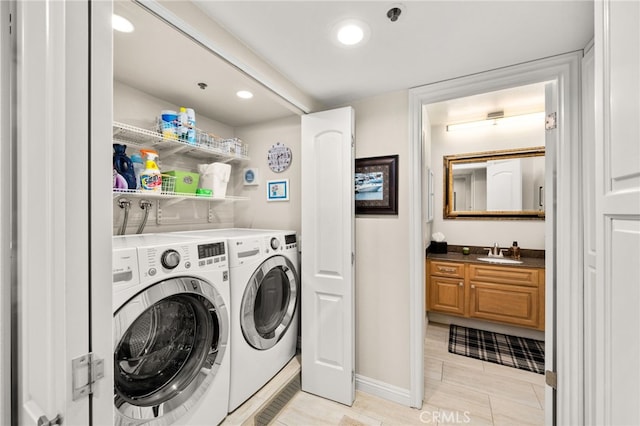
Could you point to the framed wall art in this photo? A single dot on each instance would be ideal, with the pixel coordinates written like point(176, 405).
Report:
point(251, 176)
point(376, 185)
point(278, 190)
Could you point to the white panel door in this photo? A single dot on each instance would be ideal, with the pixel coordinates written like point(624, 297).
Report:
point(63, 209)
point(615, 387)
point(327, 302)
point(615, 384)
point(504, 185)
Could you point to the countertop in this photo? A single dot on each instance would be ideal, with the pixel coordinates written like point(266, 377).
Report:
point(527, 262)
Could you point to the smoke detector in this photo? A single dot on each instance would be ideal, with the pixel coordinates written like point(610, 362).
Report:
point(394, 11)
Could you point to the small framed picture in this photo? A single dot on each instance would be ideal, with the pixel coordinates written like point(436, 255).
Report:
point(278, 190)
point(251, 176)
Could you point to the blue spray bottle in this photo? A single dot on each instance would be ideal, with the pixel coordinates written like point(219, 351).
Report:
point(123, 165)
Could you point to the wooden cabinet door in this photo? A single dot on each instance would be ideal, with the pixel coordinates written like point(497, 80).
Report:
point(446, 295)
point(517, 305)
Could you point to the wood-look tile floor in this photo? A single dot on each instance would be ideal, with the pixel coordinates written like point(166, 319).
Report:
point(458, 390)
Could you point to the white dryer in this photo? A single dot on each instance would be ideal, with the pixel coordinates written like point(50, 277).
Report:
point(171, 330)
point(265, 288)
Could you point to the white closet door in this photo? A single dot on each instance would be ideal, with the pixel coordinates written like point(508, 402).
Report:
point(328, 313)
point(615, 392)
point(63, 209)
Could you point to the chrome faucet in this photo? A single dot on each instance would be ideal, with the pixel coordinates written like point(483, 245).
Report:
point(496, 251)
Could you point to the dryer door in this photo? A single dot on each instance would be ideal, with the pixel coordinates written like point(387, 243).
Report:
point(269, 302)
point(169, 341)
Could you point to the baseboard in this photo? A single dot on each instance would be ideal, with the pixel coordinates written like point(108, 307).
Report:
point(487, 326)
point(383, 390)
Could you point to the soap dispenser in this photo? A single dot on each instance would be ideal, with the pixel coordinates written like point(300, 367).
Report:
point(515, 250)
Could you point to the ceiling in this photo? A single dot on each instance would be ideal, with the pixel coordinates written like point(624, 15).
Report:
point(515, 101)
point(159, 60)
point(431, 41)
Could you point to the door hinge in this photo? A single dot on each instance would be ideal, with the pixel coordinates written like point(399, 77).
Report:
point(353, 258)
point(86, 370)
point(550, 121)
point(44, 421)
point(551, 379)
point(353, 376)
point(353, 141)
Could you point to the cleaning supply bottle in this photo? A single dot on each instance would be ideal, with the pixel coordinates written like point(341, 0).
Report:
point(191, 124)
point(150, 178)
point(123, 165)
point(138, 167)
point(515, 250)
point(183, 124)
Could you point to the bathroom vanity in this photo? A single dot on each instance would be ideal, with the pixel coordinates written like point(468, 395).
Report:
point(467, 287)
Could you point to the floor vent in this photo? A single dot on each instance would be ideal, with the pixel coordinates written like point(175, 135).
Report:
point(277, 403)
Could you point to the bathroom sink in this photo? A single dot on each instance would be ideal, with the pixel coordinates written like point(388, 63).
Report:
point(499, 260)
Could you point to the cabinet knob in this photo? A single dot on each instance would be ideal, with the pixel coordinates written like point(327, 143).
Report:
point(460, 284)
point(473, 286)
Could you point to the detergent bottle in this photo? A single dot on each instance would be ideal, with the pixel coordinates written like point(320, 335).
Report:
point(123, 165)
point(191, 126)
point(183, 124)
point(150, 178)
point(138, 167)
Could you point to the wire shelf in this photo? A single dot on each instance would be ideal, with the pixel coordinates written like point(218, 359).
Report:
point(206, 145)
point(139, 193)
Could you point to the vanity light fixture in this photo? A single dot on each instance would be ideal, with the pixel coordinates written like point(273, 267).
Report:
point(121, 24)
point(498, 118)
point(244, 94)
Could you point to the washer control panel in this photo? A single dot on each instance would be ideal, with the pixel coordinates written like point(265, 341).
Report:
point(124, 267)
point(192, 256)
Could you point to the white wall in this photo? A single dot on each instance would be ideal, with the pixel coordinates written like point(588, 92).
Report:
point(258, 212)
point(137, 108)
point(382, 249)
point(528, 233)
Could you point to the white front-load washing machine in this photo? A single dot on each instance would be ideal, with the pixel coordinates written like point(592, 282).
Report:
point(265, 288)
point(171, 330)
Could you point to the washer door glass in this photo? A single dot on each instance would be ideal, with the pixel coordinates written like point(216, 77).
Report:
point(170, 341)
point(269, 302)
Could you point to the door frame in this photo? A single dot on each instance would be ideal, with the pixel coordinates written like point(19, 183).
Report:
point(563, 233)
point(8, 195)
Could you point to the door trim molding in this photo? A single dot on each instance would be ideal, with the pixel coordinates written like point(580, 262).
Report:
point(565, 69)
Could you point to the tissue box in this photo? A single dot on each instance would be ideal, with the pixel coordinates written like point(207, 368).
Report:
point(186, 182)
point(438, 247)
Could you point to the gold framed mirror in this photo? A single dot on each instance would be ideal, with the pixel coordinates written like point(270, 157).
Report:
point(507, 184)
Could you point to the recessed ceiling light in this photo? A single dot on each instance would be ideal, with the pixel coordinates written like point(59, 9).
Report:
point(121, 24)
point(244, 94)
point(350, 32)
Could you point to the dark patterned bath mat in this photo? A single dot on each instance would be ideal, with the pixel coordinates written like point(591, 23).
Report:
point(512, 351)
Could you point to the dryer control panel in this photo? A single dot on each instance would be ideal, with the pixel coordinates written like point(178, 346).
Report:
point(290, 241)
point(243, 251)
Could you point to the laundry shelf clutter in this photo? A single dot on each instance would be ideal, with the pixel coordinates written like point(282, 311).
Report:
point(131, 135)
